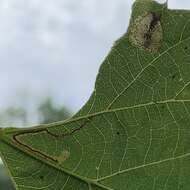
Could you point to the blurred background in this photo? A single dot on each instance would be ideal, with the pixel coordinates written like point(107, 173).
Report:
point(50, 52)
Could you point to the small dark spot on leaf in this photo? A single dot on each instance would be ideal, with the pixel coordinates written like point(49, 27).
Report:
point(118, 133)
point(185, 47)
point(41, 177)
point(162, 107)
point(173, 76)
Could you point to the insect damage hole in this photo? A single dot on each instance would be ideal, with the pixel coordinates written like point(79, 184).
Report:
point(146, 32)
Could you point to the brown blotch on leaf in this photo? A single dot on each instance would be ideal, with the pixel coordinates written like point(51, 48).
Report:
point(146, 32)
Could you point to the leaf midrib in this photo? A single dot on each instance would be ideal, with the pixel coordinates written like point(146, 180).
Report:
point(69, 121)
point(97, 181)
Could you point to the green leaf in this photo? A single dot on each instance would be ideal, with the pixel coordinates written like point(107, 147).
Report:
point(134, 132)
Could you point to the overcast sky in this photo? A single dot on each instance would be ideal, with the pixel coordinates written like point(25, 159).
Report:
point(55, 47)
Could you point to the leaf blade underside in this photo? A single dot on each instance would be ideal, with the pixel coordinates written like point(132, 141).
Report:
point(134, 131)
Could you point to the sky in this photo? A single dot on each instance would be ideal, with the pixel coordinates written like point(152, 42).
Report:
point(53, 48)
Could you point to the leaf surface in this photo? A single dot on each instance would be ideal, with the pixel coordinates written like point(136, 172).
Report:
point(134, 132)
